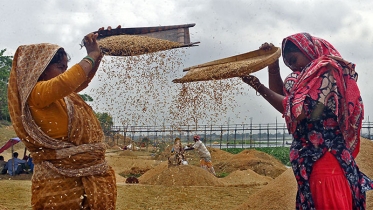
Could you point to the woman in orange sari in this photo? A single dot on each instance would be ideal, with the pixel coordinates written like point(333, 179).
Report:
point(59, 129)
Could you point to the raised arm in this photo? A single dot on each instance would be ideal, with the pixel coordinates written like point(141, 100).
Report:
point(93, 51)
point(92, 61)
point(274, 77)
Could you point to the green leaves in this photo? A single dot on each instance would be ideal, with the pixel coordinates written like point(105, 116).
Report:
point(86, 97)
point(5, 67)
point(106, 121)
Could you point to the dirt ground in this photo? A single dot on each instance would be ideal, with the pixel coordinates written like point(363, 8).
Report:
point(255, 181)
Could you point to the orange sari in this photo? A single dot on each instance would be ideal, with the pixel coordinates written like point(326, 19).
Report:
point(70, 172)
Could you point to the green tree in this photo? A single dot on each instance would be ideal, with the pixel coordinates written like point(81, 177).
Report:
point(5, 67)
point(106, 121)
point(86, 97)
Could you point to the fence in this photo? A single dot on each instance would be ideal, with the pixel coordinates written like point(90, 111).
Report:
point(218, 136)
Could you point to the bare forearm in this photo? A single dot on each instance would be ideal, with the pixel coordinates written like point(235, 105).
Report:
point(275, 83)
point(274, 78)
point(272, 97)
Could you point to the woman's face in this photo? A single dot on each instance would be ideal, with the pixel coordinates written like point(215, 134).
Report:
point(54, 69)
point(296, 60)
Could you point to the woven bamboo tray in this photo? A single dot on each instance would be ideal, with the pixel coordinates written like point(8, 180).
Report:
point(143, 40)
point(235, 66)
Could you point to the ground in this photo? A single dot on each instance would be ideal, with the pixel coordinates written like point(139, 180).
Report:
point(255, 181)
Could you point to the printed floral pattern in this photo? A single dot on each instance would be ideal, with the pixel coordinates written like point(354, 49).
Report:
point(311, 140)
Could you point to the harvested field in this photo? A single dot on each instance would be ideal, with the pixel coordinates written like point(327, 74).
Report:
point(190, 187)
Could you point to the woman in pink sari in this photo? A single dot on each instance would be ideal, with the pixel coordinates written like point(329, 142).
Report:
point(323, 109)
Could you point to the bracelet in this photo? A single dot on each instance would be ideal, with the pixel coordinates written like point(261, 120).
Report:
point(91, 59)
point(257, 88)
point(88, 61)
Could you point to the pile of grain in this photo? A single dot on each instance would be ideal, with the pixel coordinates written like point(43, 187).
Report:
point(191, 175)
point(185, 175)
point(130, 45)
point(219, 155)
point(260, 162)
point(240, 166)
point(278, 194)
point(246, 178)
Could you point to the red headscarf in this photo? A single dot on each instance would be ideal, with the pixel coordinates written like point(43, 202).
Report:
point(348, 106)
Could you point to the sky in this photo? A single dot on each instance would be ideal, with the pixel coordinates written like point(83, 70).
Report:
point(223, 28)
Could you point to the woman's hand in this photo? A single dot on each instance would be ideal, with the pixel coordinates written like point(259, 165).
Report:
point(266, 46)
point(109, 28)
point(273, 68)
point(252, 81)
point(90, 43)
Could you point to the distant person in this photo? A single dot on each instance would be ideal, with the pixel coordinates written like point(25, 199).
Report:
point(177, 153)
point(17, 164)
point(3, 165)
point(30, 163)
point(204, 154)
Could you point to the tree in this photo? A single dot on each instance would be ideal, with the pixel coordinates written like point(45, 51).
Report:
point(106, 122)
point(105, 119)
point(86, 97)
point(5, 67)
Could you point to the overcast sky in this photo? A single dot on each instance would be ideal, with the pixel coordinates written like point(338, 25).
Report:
point(224, 28)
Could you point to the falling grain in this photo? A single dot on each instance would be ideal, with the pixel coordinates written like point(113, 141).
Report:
point(138, 90)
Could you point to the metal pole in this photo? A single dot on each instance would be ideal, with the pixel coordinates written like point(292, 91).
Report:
point(235, 136)
point(251, 132)
point(243, 133)
point(13, 173)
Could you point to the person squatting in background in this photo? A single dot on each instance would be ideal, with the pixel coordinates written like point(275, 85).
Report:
point(15, 166)
point(204, 154)
point(177, 153)
point(323, 109)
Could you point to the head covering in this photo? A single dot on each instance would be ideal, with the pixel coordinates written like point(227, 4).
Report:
point(29, 63)
point(312, 47)
point(309, 83)
point(196, 137)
